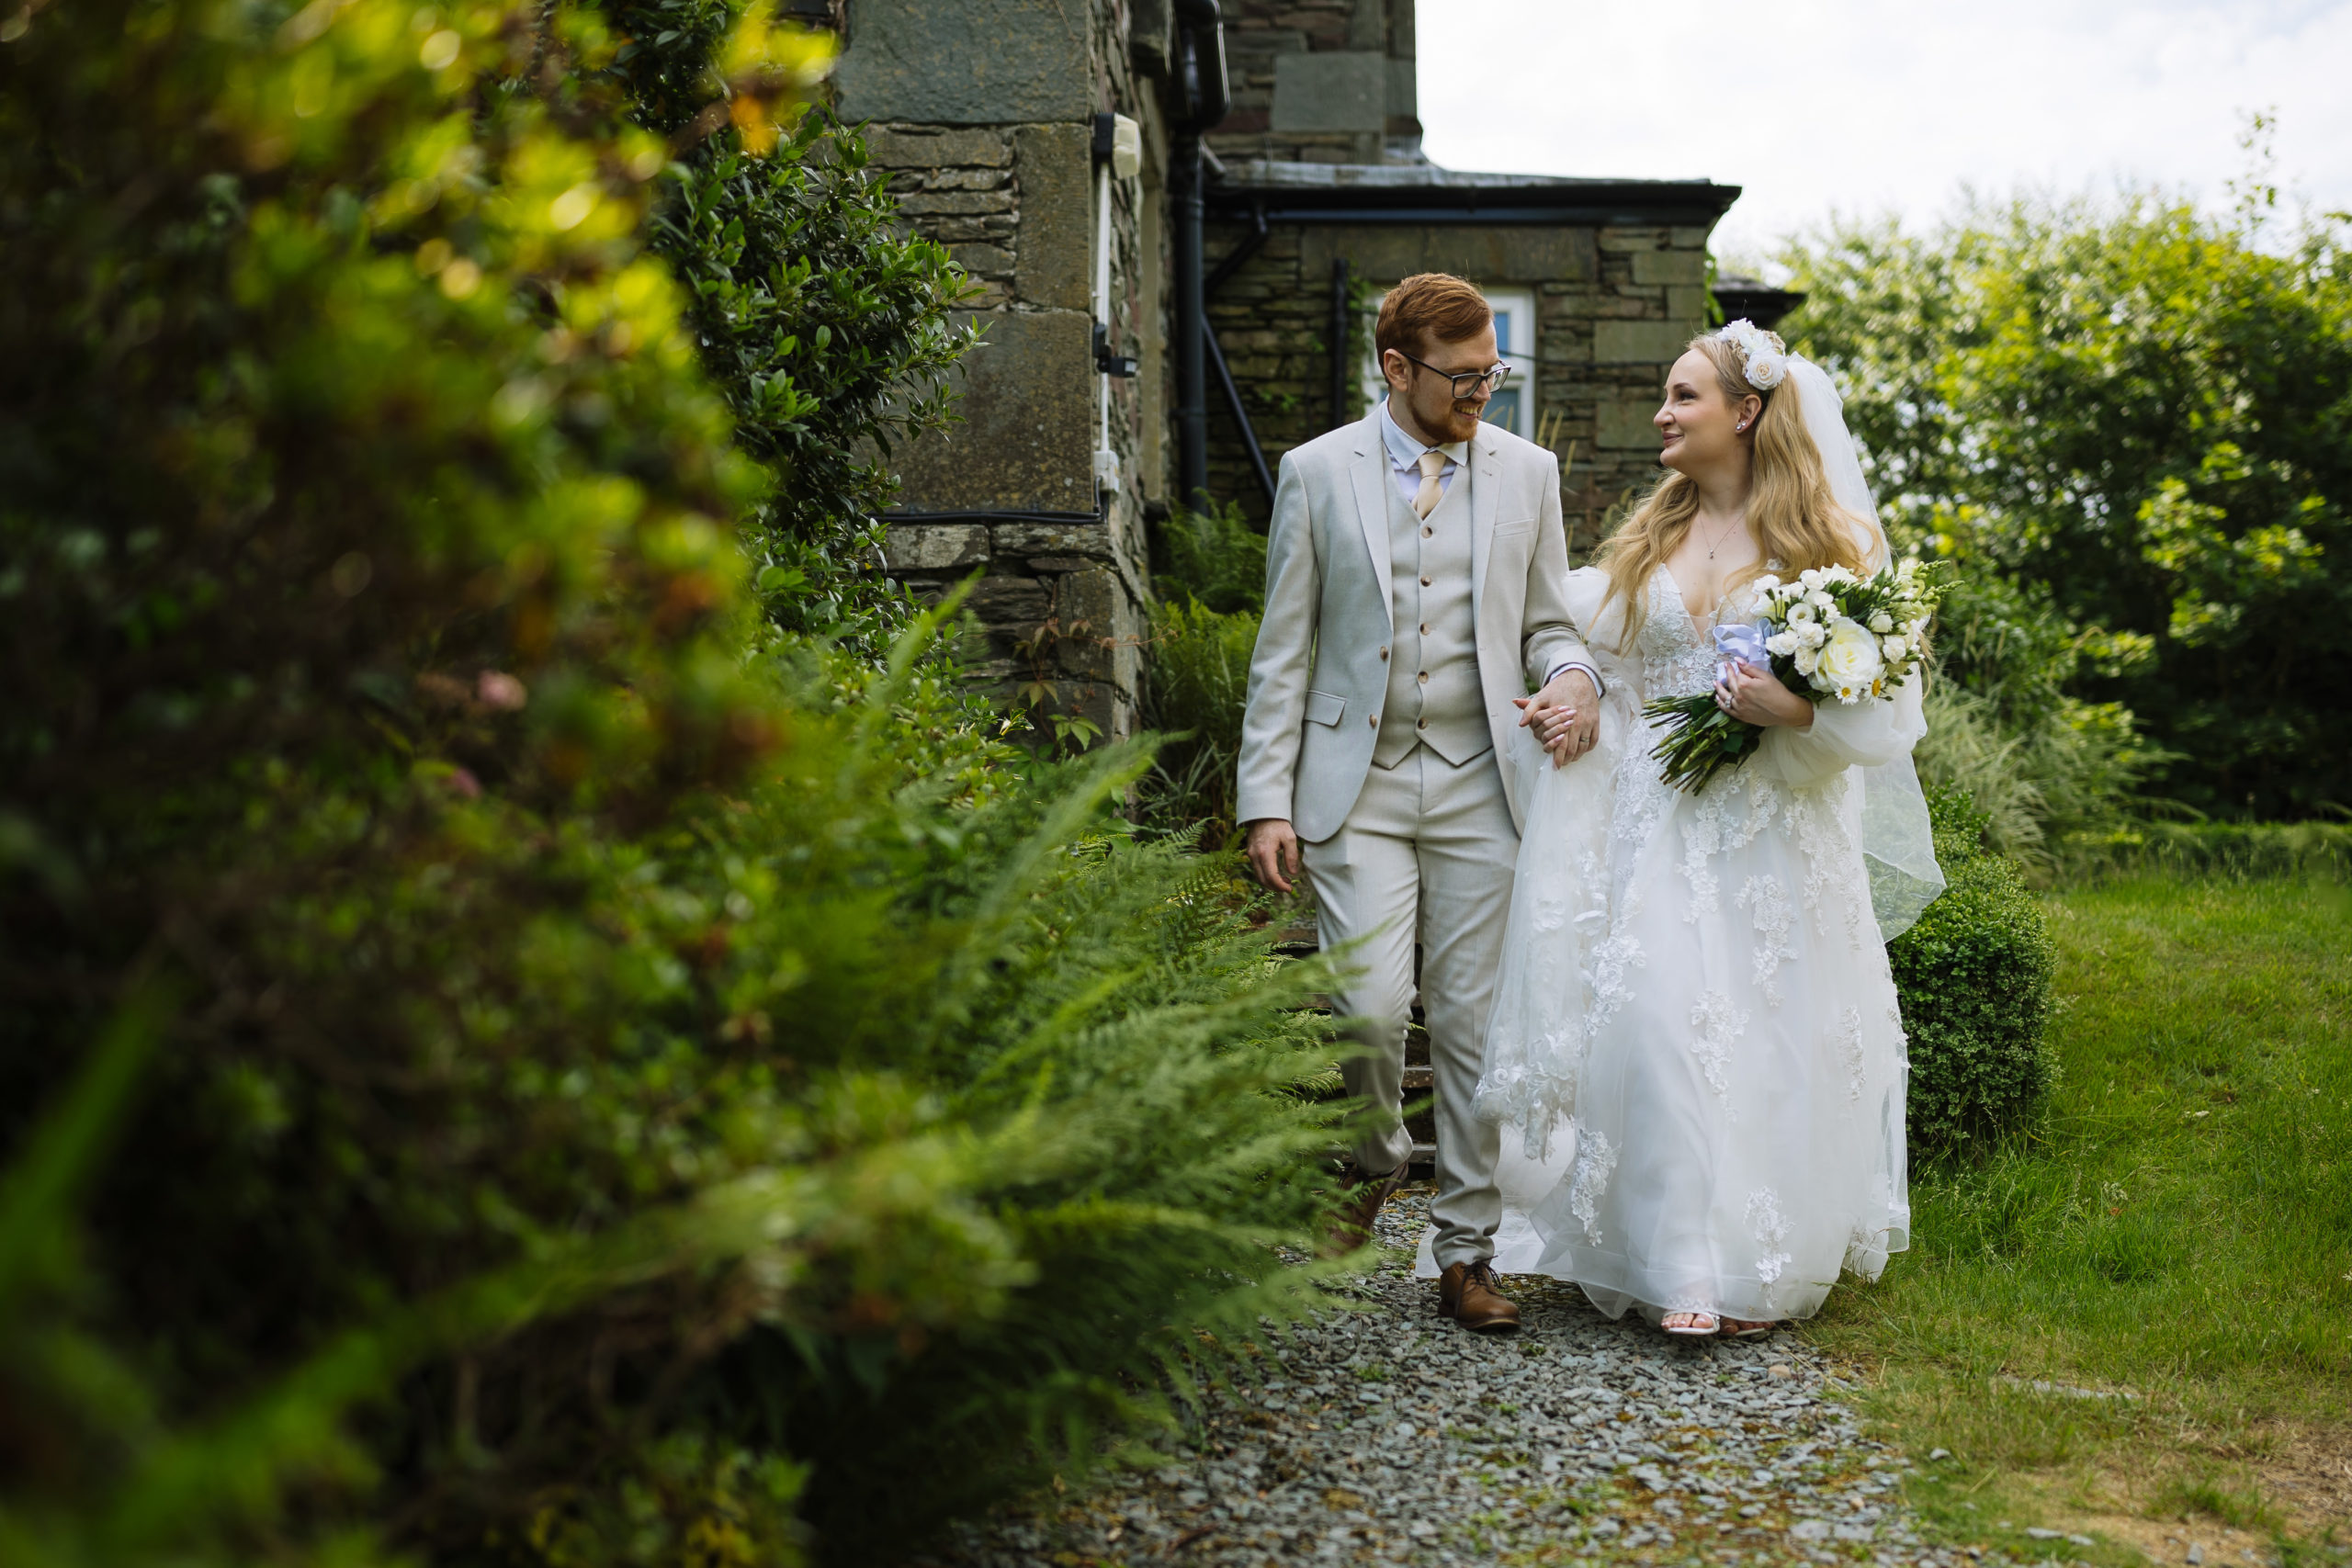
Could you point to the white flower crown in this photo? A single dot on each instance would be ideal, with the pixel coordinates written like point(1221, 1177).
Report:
point(1763, 355)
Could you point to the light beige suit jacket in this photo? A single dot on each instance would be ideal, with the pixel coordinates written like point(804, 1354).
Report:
point(1319, 675)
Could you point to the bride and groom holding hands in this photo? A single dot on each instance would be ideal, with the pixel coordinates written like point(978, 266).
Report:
point(1668, 1061)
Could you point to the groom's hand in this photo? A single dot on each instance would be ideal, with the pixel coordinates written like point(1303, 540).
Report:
point(1273, 850)
point(1565, 716)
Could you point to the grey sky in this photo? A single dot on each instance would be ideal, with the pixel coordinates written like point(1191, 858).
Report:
point(1815, 105)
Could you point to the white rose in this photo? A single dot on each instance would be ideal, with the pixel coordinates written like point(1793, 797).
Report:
point(1881, 623)
point(1814, 634)
point(1810, 577)
point(1852, 658)
point(1807, 661)
point(1766, 584)
point(1780, 645)
point(1893, 647)
point(1800, 613)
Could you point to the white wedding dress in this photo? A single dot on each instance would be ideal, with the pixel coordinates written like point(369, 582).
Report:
point(1694, 1027)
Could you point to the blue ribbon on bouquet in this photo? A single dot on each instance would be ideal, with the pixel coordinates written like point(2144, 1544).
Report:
point(1743, 644)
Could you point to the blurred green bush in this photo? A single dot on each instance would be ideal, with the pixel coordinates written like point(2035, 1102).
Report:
point(2220, 850)
point(1973, 978)
point(504, 1057)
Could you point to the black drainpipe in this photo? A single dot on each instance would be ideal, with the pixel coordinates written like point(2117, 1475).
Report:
point(1207, 96)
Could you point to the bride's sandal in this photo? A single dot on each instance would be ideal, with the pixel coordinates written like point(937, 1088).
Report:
point(1692, 1324)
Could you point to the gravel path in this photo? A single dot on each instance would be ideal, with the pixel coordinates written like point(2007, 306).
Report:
point(1387, 1437)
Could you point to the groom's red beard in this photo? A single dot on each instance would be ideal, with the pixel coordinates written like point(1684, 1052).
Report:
point(1465, 417)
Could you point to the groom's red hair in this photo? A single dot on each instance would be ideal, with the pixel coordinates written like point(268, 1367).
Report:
point(1426, 310)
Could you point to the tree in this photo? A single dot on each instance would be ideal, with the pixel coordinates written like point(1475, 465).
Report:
point(824, 322)
point(2143, 417)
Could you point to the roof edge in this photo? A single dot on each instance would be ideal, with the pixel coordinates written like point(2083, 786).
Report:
point(1300, 192)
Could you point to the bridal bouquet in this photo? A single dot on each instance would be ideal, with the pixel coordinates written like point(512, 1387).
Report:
point(1828, 636)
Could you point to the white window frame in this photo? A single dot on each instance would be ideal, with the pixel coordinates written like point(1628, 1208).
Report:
point(1514, 324)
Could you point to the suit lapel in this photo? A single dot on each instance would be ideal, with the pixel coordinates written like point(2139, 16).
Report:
point(1486, 495)
point(1370, 473)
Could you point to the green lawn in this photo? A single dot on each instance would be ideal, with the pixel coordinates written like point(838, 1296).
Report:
point(2176, 1236)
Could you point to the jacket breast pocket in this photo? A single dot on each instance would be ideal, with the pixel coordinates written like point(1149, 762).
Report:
point(1516, 527)
point(1325, 707)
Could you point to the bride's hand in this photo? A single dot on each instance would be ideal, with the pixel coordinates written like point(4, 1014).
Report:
point(1752, 694)
point(1565, 716)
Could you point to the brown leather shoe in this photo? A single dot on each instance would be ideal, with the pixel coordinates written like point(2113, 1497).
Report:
point(1466, 1293)
point(1353, 1227)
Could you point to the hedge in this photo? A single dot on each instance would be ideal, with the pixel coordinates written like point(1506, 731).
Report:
point(1974, 976)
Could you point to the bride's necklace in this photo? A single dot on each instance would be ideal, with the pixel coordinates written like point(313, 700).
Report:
point(1722, 536)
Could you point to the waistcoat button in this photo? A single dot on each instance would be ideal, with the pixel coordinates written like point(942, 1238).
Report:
point(1423, 725)
point(1425, 582)
point(1374, 720)
point(1384, 653)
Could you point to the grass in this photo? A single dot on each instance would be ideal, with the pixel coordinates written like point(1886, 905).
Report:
point(2169, 1254)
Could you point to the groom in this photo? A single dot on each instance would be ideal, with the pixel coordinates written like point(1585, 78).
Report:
point(1415, 569)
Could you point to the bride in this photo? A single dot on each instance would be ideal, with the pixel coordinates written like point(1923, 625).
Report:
point(1694, 1026)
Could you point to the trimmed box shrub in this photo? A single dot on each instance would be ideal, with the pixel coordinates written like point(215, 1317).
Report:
point(1974, 977)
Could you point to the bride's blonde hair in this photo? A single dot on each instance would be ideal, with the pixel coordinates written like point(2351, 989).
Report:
point(1796, 521)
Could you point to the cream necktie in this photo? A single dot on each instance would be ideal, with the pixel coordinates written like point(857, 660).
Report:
point(1425, 500)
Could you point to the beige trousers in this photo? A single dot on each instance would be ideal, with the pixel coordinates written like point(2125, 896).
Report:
point(1427, 853)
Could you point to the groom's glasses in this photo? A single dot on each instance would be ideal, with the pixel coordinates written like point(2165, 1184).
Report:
point(1466, 383)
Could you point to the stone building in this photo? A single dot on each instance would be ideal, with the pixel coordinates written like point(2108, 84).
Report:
point(1180, 216)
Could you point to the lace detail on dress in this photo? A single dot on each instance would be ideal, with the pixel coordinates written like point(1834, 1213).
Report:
point(1588, 1180)
point(1676, 661)
point(1728, 815)
point(1776, 918)
point(1770, 1228)
point(1835, 883)
point(1617, 953)
point(1849, 1047)
point(1718, 1024)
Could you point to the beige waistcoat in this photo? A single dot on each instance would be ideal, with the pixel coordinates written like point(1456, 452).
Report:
point(1433, 691)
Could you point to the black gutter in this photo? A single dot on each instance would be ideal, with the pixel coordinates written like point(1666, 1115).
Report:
point(1100, 513)
point(1204, 95)
point(1629, 204)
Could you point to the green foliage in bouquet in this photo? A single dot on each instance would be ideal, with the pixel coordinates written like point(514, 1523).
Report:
point(1702, 739)
point(1973, 978)
point(452, 1000)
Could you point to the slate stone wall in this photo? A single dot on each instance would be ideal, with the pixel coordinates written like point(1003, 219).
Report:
point(1319, 81)
point(1614, 308)
point(984, 110)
